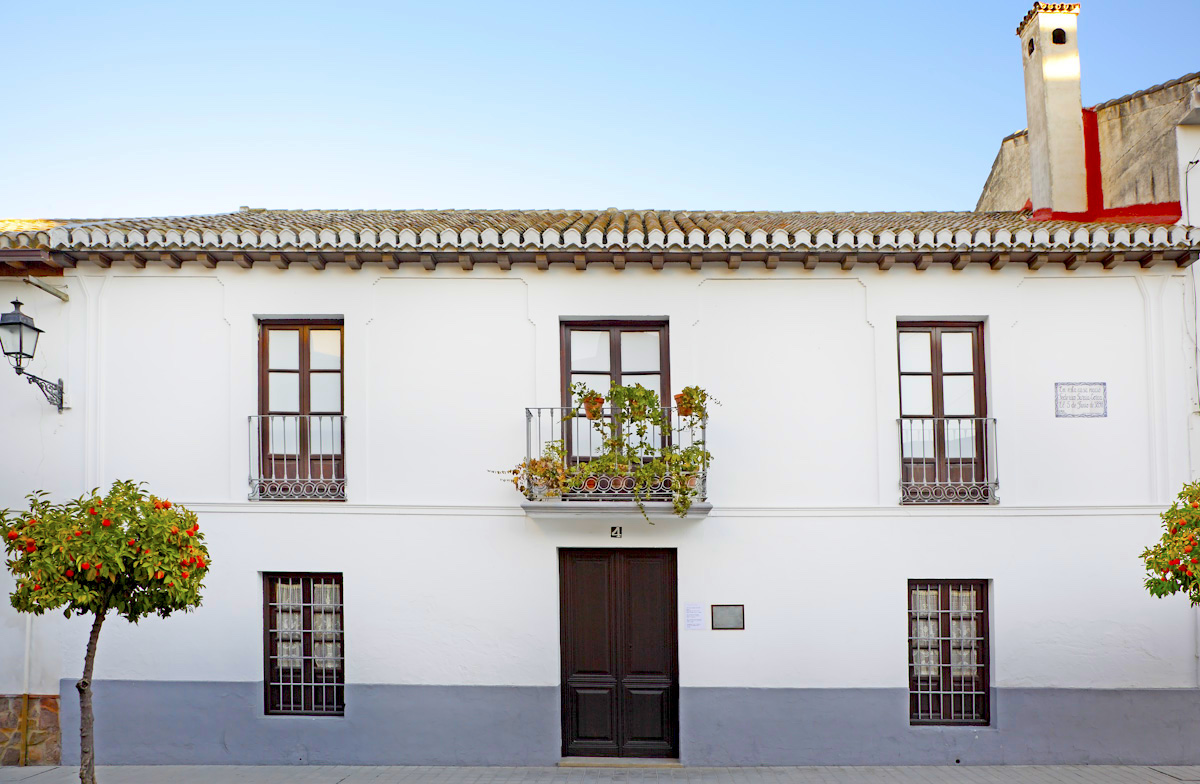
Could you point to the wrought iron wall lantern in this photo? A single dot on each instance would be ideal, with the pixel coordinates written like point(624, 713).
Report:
point(18, 339)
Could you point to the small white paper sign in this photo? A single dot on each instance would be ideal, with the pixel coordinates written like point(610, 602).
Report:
point(1080, 399)
point(693, 616)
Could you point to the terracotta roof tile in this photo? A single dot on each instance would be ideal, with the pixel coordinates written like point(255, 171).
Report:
point(620, 230)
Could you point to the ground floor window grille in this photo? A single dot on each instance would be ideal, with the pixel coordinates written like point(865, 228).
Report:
point(948, 652)
point(305, 654)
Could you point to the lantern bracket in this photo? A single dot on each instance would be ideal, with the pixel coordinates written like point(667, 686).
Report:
point(52, 390)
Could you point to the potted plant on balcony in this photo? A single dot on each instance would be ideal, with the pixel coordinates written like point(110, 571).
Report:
point(683, 468)
point(543, 477)
point(693, 402)
point(638, 453)
point(593, 405)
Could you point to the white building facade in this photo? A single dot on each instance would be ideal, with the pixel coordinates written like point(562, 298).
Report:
point(902, 601)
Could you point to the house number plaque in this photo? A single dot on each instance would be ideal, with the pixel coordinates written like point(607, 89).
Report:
point(1081, 399)
point(615, 532)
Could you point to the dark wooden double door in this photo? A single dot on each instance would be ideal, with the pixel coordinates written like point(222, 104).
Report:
point(620, 659)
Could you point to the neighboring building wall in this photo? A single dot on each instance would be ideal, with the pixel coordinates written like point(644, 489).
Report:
point(1137, 144)
point(451, 590)
point(1008, 184)
point(42, 741)
point(1187, 145)
point(1137, 151)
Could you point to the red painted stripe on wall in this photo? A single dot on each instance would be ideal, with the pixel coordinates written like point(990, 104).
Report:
point(1161, 212)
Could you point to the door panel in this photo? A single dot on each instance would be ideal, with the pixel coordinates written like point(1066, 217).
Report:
point(590, 595)
point(648, 629)
point(595, 713)
point(619, 653)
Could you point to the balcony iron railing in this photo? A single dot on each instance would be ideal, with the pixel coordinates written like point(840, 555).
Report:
point(297, 457)
point(582, 440)
point(948, 460)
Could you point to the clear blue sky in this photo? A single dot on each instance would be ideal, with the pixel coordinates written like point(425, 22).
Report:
point(166, 108)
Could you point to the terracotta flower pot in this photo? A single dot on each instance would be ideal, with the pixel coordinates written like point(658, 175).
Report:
point(593, 406)
point(684, 408)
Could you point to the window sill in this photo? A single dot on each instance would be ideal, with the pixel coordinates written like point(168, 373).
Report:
point(971, 727)
point(304, 715)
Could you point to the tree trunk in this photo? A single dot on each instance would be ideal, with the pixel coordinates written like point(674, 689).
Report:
point(87, 746)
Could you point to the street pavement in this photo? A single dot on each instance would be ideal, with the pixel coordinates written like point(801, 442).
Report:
point(336, 774)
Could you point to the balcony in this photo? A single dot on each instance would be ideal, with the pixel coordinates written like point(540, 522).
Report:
point(297, 457)
point(948, 460)
point(563, 448)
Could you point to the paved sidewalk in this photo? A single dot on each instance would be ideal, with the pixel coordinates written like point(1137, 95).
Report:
point(336, 774)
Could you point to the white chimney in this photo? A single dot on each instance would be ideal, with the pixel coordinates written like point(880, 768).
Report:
point(1050, 52)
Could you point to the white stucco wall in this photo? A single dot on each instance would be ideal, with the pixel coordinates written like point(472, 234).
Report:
point(448, 582)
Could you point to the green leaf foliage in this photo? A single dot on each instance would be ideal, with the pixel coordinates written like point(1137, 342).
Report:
point(125, 551)
point(1173, 563)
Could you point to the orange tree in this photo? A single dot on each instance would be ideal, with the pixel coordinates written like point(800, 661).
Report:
point(126, 552)
point(1173, 563)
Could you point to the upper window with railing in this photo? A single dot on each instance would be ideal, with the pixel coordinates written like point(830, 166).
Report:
point(297, 439)
point(947, 441)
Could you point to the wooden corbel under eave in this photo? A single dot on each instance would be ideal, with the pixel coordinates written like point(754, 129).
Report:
point(1153, 258)
point(1113, 260)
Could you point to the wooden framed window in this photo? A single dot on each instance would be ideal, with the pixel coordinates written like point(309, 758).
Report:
point(945, 433)
point(948, 652)
point(601, 352)
point(301, 452)
point(304, 645)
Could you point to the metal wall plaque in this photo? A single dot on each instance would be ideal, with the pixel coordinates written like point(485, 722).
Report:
point(1080, 399)
point(729, 616)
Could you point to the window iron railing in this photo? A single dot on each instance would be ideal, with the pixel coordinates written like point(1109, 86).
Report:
point(305, 650)
point(948, 681)
point(948, 460)
point(297, 457)
point(579, 440)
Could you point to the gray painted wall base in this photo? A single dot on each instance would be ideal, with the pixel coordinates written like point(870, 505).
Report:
point(870, 727)
point(180, 722)
point(205, 723)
